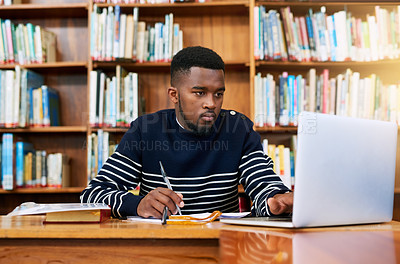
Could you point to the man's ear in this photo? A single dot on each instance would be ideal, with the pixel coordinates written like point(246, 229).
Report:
point(173, 94)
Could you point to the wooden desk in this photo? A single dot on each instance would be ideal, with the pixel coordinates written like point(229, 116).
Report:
point(27, 240)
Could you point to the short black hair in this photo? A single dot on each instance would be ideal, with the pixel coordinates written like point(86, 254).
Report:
point(194, 57)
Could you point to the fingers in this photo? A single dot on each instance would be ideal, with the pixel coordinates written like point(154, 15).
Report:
point(274, 206)
point(152, 205)
point(171, 198)
point(281, 203)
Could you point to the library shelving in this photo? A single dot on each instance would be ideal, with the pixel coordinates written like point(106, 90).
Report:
point(226, 26)
point(68, 76)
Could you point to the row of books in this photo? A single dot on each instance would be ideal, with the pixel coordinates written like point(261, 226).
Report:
point(280, 101)
point(99, 148)
point(322, 37)
point(114, 100)
point(20, 43)
point(26, 101)
point(116, 36)
point(22, 166)
point(9, 2)
point(284, 159)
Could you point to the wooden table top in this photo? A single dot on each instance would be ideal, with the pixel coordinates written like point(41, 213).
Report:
point(33, 227)
point(350, 244)
point(376, 243)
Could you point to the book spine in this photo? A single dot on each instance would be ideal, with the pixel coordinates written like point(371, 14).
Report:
point(256, 32)
point(9, 95)
point(43, 180)
point(325, 91)
point(92, 99)
point(45, 106)
point(10, 46)
point(16, 96)
point(8, 177)
point(122, 37)
point(54, 107)
point(117, 33)
point(19, 150)
point(5, 43)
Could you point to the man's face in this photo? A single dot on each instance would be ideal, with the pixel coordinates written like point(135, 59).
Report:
point(200, 96)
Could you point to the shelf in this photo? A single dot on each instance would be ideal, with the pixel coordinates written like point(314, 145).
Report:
point(300, 8)
point(182, 5)
point(144, 66)
point(325, 3)
point(330, 64)
point(186, 9)
point(46, 66)
point(43, 190)
point(44, 11)
point(110, 129)
point(277, 129)
point(54, 129)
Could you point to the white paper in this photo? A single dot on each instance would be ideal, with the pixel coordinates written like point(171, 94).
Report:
point(201, 215)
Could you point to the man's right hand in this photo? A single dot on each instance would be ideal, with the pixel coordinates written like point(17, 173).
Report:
point(152, 205)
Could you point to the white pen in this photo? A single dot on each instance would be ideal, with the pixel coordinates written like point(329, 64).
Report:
point(168, 184)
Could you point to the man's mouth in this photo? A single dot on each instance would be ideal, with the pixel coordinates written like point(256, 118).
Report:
point(208, 117)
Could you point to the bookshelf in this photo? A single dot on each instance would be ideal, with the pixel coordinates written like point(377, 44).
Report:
point(383, 68)
point(226, 26)
point(68, 75)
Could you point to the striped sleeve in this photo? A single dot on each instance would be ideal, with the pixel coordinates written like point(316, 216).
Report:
point(258, 177)
point(120, 174)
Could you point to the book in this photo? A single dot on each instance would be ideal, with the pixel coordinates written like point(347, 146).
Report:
point(50, 106)
point(29, 80)
point(22, 149)
point(8, 161)
point(65, 212)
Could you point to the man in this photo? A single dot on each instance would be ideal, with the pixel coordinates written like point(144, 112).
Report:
point(206, 152)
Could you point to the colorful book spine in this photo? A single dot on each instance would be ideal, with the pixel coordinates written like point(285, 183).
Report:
point(8, 181)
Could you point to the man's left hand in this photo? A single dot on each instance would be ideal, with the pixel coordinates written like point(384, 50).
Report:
point(281, 203)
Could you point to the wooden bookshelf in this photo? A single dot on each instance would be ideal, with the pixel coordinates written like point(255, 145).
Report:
point(73, 190)
point(48, 10)
point(134, 66)
point(54, 129)
point(338, 64)
point(277, 129)
point(192, 9)
point(64, 65)
point(110, 129)
point(224, 26)
point(68, 75)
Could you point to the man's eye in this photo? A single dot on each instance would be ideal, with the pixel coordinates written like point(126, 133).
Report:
point(199, 93)
point(219, 94)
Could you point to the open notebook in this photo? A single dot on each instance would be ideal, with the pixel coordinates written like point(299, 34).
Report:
point(345, 172)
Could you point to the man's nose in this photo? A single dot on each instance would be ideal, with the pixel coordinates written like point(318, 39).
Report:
point(209, 102)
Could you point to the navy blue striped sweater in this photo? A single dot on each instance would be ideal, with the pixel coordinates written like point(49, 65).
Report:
point(205, 169)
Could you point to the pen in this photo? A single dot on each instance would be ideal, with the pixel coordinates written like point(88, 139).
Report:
point(168, 184)
point(164, 216)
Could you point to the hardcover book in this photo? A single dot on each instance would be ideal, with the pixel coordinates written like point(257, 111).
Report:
point(65, 212)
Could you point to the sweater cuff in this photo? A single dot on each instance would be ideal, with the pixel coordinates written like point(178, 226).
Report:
point(130, 204)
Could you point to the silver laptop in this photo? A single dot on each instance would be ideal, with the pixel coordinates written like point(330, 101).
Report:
point(345, 173)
